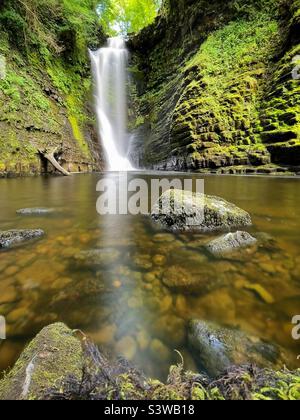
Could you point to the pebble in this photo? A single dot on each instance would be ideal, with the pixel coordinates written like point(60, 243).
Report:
point(268, 267)
point(9, 295)
point(163, 237)
point(117, 284)
point(17, 315)
point(61, 283)
point(150, 277)
point(10, 271)
point(159, 260)
point(142, 261)
point(181, 305)
point(166, 303)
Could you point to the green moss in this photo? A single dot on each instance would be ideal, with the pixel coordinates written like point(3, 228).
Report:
point(47, 80)
point(214, 95)
point(53, 354)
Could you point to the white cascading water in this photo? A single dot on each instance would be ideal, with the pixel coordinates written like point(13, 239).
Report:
point(109, 67)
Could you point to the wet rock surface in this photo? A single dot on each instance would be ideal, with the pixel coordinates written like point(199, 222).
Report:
point(183, 210)
point(51, 356)
point(230, 242)
point(218, 348)
point(37, 211)
point(11, 238)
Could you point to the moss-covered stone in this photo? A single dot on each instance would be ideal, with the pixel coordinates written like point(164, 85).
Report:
point(218, 348)
point(49, 358)
point(183, 210)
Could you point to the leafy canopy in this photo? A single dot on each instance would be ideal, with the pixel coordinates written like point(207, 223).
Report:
point(127, 16)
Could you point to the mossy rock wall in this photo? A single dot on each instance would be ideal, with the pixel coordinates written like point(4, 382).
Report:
point(208, 75)
point(45, 86)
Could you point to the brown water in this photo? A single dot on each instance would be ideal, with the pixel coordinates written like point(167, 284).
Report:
point(123, 303)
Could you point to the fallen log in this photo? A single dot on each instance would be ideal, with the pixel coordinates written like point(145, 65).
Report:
point(49, 155)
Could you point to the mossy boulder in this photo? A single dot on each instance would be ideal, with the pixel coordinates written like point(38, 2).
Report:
point(50, 357)
point(230, 242)
point(11, 238)
point(183, 210)
point(218, 348)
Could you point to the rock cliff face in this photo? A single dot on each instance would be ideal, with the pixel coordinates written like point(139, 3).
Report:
point(214, 88)
point(45, 86)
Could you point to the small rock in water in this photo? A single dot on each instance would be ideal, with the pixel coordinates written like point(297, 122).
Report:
point(14, 237)
point(8, 296)
point(183, 211)
point(166, 303)
point(142, 261)
point(117, 284)
point(230, 242)
point(39, 211)
point(94, 257)
point(218, 348)
point(163, 237)
point(180, 279)
point(159, 259)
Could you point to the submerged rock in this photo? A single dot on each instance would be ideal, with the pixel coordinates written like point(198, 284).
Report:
point(230, 242)
point(199, 280)
point(98, 257)
point(38, 211)
point(218, 348)
point(184, 210)
point(14, 237)
point(52, 355)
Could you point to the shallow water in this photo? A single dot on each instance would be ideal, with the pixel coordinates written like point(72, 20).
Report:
point(123, 303)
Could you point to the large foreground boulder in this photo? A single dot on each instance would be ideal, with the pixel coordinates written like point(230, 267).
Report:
point(50, 357)
point(217, 348)
point(11, 238)
point(230, 242)
point(183, 210)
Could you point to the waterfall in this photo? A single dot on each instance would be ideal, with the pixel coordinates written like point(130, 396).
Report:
point(109, 67)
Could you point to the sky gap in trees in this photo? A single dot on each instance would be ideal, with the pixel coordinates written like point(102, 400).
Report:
point(121, 17)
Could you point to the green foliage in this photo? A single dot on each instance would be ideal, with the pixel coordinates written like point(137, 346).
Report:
point(45, 44)
point(229, 68)
point(127, 16)
point(238, 46)
point(59, 27)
